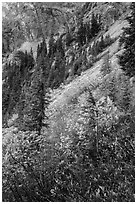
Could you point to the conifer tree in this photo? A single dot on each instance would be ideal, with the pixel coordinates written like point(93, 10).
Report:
point(69, 39)
point(94, 49)
point(5, 102)
point(88, 33)
point(124, 96)
point(95, 26)
point(59, 47)
point(36, 99)
point(52, 47)
point(101, 44)
point(127, 59)
point(87, 129)
point(35, 102)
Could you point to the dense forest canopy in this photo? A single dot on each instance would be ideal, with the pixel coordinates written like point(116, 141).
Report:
point(68, 101)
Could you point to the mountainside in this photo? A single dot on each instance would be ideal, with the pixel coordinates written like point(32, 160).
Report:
point(63, 98)
point(92, 75)
point(68, 108)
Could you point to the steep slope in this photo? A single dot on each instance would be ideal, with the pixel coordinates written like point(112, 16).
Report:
point(66, 106)
point(91, 76)
point(73, 141)
point(66, 94)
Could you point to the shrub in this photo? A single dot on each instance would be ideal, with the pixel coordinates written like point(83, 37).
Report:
point(28, 169)
point(35, 170)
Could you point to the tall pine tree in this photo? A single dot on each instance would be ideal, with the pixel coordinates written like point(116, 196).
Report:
point(35, 104)
point(36, 96)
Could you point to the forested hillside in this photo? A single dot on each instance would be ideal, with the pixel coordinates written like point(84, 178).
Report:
point(68, 102)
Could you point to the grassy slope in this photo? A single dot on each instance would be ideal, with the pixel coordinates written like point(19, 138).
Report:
point(91, 76)
point(64, 111)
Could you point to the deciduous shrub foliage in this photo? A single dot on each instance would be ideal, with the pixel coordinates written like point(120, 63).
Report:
point(85, 151)
point(37, 170)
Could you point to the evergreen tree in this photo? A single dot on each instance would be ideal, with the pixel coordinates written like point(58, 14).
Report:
point(112, 89)
point(95, 26)
point(87, 31)
point(35, 102)
point(101, 44)
point(56, 65)
point(68, 39)
point(59, 47)
point(87, 129)
point(108, 40)
point(58, 71)
point(81, 37)
point(127, 59)
point(35, 94)
point(52, 47)
point(5, 102)
point(124, 95)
